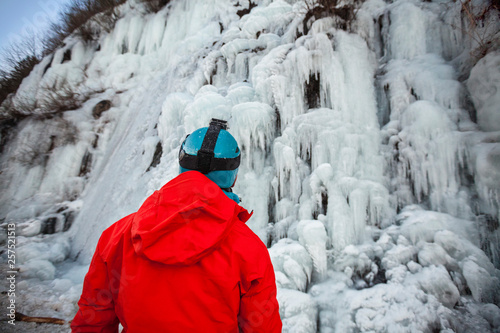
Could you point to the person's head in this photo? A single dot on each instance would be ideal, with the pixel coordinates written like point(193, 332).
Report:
point(212, 151)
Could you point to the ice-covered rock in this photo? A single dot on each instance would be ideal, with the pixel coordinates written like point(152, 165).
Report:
point(370, 151)
point(298, 311)
point(484, 87)
point(293, 260)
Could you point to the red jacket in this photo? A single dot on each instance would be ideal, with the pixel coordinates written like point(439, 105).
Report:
point(184, 262)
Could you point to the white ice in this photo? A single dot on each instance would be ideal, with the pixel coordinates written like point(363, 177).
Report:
point(370, 155)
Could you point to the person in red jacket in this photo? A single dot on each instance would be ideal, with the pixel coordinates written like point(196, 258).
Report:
point(185, 261)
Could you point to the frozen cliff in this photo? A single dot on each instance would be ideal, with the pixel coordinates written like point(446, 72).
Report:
point(370, 137)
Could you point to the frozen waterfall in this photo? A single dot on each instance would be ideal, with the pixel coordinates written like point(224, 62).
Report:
point(370, 138)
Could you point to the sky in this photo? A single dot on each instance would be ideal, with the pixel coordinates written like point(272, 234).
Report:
point(19, 16)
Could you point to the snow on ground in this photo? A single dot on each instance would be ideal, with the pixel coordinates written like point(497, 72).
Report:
point(370, 154)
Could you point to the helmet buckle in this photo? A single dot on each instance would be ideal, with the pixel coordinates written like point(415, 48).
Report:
point(219, 123)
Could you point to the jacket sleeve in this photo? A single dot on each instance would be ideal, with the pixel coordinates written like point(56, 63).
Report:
point(96, 307)
point(259, 309)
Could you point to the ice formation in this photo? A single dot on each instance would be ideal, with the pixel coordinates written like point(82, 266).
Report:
point(370, 152)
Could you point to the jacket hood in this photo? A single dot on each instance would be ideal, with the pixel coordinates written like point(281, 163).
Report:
point(185, 220)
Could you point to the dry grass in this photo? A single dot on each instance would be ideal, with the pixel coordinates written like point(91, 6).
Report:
point(154, 6)
point(61, 100)
point(479, 28)
point(343, 11)
point(75, 16)
point(87, 19)
point(19, 59)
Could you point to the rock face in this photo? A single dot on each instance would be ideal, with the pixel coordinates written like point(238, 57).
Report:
point(101, 107)
point(484, 86)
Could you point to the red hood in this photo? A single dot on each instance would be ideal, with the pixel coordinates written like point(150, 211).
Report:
point(184, 220)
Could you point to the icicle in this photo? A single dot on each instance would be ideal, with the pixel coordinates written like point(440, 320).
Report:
point(407, 31)
point(312, 236)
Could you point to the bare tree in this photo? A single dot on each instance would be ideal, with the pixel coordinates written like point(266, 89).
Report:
point(18, 60)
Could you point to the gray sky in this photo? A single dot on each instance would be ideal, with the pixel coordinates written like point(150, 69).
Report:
point(19, 16)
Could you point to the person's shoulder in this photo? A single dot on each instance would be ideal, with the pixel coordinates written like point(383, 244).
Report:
point(252, 255)
point(119, 226)
point(242, 236)
point(114, 233)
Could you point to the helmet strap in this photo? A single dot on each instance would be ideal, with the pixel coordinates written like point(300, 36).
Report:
point(206, 152)
point(205, 160)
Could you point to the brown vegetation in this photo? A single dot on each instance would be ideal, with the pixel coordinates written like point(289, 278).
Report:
point(87, 19)
point(345, 12)
point(480, 27)
point(20, 58)
point(154, 6)
point(18, 61)
point(60, 100)
point(74, 17)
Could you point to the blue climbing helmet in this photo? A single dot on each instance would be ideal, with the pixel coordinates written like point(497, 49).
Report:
point(212, 151)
